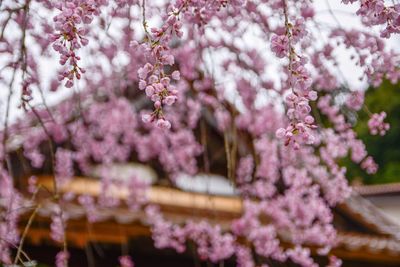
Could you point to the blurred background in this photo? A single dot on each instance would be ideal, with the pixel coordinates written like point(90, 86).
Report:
point(386, 149)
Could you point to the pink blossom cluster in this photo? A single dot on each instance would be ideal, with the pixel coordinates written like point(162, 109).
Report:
point(377, 12)
point(57, 226)
point(244, 257)
point(334, 262)
point(89, 204)
point(126, 261)
point(64, 168)
point(326, 106)
point(301, 256)
point(10, 203)
point(70, 35)
point(280, 45)
point(211, 243)
point(62, 258)
point(370, 55)
point(377, 125)
point(137, 196)
point(299, 133)
point(338, 144)
point(300, 130)
point(153, 79)
point(369, 165)
point(355, 100)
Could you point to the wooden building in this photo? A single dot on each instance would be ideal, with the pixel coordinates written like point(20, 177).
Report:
point(367, 235)
point(368, 223)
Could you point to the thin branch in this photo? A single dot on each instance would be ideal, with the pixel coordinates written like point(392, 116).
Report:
point(228, 156)
point(28, 225)
point(14, 246)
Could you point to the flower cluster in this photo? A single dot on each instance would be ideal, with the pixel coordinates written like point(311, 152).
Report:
point(377, 125)
point(280, 45)
point(62, 258)
point(64, 166)
point(299, 131)
point(376, 12)
point(338, 144)
point(153, 79)
point(126, 261)
point(57, 225)
point(355, 100)
point(370, 55)
point(334, 262)
point(244, 257)
point(71, 35)
point(369, 165)
point(203, 78)
point(10, 204)
point(211, 243)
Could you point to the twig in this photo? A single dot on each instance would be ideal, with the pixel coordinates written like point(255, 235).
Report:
point(203, 132)
point(14, 246)
point(144, 22)
point(28, 225)
point(55, 188)
point(228, 156)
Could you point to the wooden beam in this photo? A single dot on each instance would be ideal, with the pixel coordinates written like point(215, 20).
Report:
point(163, 196)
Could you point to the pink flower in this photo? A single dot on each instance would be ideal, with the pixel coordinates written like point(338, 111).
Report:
point(280, 45)
point(134, 44)
point(126, 261)
point(163, 124)
point(309, 119)
point(299, 30)
point(168, 59)
point(369, 165)
point(149, 90)
point(245, 169)
point(301, 256)
point(32, 182)
point(62, 259)
point(64, 166)
point(377, 125)
point(146, 118)
point(223, 119)
point(307, 11)
point(169, 100)
point(280, 133)
point(142, 84)
point(176, 75)
point(57, 227)
point(334, 261)
point(312, 95)
point(142, 73)
point(355, 100)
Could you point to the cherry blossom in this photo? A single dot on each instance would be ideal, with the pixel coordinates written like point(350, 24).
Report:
point(377, 125)
point(126, 261)
point(191, 87)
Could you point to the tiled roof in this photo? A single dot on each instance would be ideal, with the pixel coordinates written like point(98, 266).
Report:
point(379, 189)
point(366, 213)
point(374, 244)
